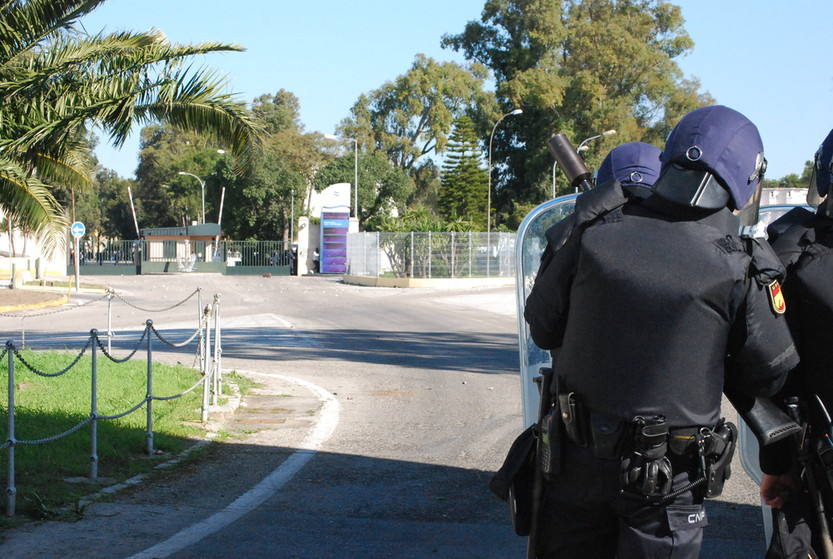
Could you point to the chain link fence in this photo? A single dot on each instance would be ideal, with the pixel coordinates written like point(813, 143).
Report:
point(431, 255)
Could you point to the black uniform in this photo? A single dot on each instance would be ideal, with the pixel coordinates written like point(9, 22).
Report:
point(806, 250)
point(642, 304)
point(803, 240)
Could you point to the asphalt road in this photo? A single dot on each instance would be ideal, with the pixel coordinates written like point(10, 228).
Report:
point(429, 403)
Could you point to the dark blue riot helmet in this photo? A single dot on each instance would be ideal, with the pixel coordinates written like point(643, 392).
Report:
point(713, 158)
point(635, 165)
point(822, 177)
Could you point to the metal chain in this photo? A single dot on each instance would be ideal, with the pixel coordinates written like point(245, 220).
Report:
point(181, 394)
point(56, 311)
point(3, 353)
point(172, 344)
point(129, 304)
point(129, 355)
point(128, 412)
point(51, 375)
point(69, 431)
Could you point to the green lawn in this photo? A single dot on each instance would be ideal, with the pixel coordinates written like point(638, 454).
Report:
point(48, 406)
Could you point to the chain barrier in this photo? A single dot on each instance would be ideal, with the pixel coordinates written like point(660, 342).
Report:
point(172, 307)
point(69, 431)
point(123, 359)
point(184, 392)
point(124, 413)
point(165, 341)
point(56, 374)
point(209, 365)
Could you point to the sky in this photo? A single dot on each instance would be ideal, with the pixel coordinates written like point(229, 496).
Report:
point(768, 59)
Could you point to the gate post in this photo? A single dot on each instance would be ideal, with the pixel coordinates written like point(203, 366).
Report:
point(11, 490)
point(94, 407)
point(149, 429)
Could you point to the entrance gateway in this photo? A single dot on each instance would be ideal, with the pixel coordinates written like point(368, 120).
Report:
point(530, 244)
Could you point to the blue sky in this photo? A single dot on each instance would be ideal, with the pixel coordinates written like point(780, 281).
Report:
point(770, 60)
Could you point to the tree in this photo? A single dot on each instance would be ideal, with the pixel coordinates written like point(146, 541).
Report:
point(464, 181)
point(410, 118)
point(56, 80)
point(278, 112)
point(260, 201)
point(577, 67)
point(792, 180)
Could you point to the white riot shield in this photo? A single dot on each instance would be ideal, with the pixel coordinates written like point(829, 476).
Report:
point(530, 244)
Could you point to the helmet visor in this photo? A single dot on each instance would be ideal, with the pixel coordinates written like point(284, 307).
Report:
point(813, 196)
point(749, 213)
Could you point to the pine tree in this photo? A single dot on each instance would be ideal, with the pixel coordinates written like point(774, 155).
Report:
point(464, 181)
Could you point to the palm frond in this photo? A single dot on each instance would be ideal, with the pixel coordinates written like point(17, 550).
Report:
point(24, 24)
point(26, 199)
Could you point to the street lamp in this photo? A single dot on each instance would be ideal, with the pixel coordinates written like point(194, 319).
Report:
point(355, 171)
point(489, 192)
point(554, 166)
point(591, 138)
point(202, 190)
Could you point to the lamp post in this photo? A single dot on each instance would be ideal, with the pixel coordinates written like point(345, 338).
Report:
point(554, 167)
point(591, 138)
point(489, 192)
point(202, 189)
point(355, 171)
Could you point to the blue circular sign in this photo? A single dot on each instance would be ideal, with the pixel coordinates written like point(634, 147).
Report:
point(78, 229)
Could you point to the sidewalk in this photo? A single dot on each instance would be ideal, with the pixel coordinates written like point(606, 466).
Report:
point(250, 443)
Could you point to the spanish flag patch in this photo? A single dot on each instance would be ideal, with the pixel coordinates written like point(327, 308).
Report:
point(776, 297)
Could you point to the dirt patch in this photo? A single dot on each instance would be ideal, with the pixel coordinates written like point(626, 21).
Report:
point(20, 299)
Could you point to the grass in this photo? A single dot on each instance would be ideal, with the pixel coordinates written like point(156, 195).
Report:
point(244, 384)
point(48, 406)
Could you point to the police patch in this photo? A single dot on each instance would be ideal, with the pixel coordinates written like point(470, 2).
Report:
point(776, 297)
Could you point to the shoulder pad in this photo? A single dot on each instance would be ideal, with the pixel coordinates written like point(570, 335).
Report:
point(589, 206)
point(765, 266)
point(795, 232)
point(598, 202)
point(791, 224)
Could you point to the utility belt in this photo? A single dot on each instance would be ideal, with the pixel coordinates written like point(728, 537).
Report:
point(648, 450)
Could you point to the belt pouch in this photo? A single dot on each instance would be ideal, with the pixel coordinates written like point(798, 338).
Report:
point(607, 432)
point(718, 467)
point(550, 443)
point(573, 416)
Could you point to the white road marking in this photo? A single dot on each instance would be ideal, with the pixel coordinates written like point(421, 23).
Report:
point(267, 487)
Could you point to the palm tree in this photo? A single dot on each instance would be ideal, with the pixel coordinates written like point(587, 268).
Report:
point(56, 81)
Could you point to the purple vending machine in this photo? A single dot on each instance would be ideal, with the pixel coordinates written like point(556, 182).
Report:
point(334, 224)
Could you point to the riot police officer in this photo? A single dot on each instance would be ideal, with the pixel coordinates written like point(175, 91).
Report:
point(635, 165)
point(803, 240)
point(631, 168)
point(639, 306)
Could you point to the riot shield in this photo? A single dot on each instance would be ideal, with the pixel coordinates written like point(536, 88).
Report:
point(530, 244)
point(747, 442)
